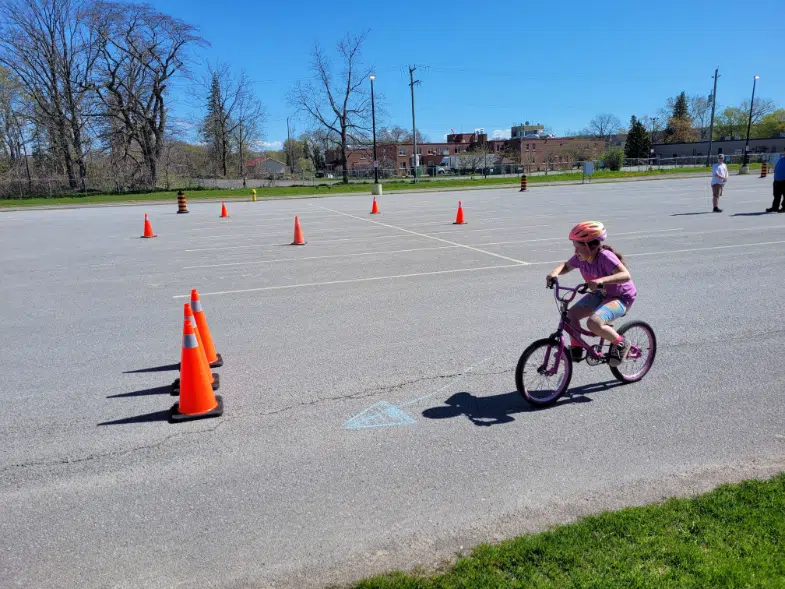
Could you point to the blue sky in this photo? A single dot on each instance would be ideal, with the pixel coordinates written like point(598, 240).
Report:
point(490, 65)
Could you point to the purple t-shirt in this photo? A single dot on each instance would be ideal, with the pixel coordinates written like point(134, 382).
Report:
point(602, 265)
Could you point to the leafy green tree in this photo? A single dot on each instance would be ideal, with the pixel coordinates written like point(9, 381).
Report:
point(613, 158)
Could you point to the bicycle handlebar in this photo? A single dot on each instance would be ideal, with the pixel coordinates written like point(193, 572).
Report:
point(553, 283)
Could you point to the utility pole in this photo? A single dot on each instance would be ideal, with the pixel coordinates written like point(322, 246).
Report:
point(289, 148)
point(412, 82)
point(711, 124)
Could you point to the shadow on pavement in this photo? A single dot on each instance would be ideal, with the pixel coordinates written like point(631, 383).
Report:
point(155, 369)
point(162, 390)
point(147, 417)
point(499, 409)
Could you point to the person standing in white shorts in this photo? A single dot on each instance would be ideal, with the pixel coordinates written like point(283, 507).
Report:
point(719, 176)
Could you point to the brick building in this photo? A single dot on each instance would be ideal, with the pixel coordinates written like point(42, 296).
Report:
point(510, 154)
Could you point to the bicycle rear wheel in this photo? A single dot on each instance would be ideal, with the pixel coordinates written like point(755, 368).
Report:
point(643, 348)
point(536, 387)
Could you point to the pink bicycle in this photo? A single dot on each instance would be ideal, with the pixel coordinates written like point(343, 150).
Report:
point(544, 371)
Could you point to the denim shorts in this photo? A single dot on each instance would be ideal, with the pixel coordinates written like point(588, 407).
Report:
point(605, 309)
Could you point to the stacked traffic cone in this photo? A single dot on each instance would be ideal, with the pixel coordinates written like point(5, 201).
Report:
point(148, 228)
point(459, 217)
point(214, 359)
point(182, 205)
point(298, 233)
point(223, 210)
point(215, 379)
point(197, 400)
point(375, 207)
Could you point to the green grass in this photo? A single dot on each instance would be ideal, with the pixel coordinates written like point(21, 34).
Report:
point(325, 190)
point(731, 537)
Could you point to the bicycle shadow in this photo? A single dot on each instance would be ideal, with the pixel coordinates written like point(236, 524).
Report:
point(499, 409)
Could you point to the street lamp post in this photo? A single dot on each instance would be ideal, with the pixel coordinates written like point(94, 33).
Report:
point(745, 169)
point(651, 141)
point(377, 188)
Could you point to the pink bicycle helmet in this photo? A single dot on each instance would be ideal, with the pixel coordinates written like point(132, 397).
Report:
point(588, 231)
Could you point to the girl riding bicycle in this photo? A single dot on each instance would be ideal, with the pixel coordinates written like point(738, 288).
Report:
point(613, 293)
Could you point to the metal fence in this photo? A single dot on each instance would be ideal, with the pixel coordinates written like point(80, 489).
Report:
point(15, 184)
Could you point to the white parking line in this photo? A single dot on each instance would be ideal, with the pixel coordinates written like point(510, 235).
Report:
point(564, 238)
point(425, 235)
point(374, 278)
point(254, 262)
point(477, 269)
point(680, 251)
point(283, 243)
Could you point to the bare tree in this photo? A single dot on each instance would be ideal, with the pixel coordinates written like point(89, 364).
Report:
point(699, 107)
point(580, 151)
point(15, 114)
point(234, 114)
point(339, 103)
point(397, 135)
point(140, 51)
point(248, 128)
point(487, 156)
point(471, 160)
point(604, 125)
point(760, 108)
point(393, 135)
point(11, 117)
point(49, 48)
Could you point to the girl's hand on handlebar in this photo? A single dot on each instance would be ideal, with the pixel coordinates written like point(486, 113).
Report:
point(549, 280)
point(595, 285)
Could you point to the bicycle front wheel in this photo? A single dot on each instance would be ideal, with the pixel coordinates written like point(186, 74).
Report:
point(643, 347)
point(531, 380)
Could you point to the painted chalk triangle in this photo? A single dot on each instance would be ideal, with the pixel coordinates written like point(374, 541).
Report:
point(381, 414)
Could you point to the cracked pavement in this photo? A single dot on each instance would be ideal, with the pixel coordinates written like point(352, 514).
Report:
point(97, 489)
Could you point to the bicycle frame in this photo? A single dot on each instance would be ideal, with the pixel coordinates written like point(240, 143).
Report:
point(574, 331)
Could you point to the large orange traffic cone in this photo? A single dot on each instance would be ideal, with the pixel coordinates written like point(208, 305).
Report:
point(298, 233)
point(148, 228)
point(215, 378)
point(459, 217)
point(197, 399)
point(213, 358)
point(375, 207)
point(223, 210)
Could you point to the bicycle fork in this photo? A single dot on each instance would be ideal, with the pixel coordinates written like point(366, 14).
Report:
point(543, 369)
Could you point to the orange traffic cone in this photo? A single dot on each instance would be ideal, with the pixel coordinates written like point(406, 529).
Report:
point(223, 210)
point(197, 399)
point(375, 207)
point(459, 217)
point(215, 379)
point(148, 228)
point(213, 358)
point(298, 233)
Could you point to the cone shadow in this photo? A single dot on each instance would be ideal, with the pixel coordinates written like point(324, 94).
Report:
point(162, 390)
point(147, 417)
point(155, 369)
